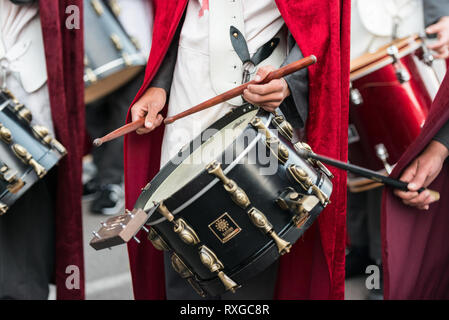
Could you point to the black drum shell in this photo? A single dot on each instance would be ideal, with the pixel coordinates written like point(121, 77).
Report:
point(250, 251)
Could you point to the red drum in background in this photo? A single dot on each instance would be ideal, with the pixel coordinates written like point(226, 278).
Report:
point(391, 93)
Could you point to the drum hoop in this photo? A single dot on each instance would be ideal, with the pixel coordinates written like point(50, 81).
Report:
point(376, 64)
point(114, 64)
point(231, 166)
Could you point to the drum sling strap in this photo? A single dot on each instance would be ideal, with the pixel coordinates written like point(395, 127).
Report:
point(241, 48)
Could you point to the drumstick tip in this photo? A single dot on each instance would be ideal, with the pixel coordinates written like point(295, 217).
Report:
point(168, 120)
point(97, 142)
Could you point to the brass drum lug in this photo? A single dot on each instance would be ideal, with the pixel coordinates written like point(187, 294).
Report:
point(115, 7)
point(237, 194)
point(43, 134)
point(5, 134)
point(98, 8)
point(10, 176)
point(316, 163)
point(116, 41)
point(23, 112)
point(272, 142)
point(261, 222)
point(185, 232)
point(157, 240)
point(3, 208)
point(27, 158)
point(180, 267)
point(210, 260)
point(284, 127)
point(303, 179)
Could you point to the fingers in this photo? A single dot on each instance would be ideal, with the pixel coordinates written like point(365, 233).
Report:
point(268, 96)
point(262, 73)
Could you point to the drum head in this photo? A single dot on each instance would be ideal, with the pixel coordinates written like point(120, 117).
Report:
point(192, 159)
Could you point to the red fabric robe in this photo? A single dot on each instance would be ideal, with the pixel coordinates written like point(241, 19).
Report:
point(314, 269)
point(64, 59)
point(415, 251)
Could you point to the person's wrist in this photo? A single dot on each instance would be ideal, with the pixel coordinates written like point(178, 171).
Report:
point(438, 149)
point(286, 89)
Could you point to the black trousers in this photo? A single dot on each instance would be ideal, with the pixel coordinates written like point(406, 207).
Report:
point(363, 221)
point(104, 116)
point(259, 287)
point(27, 243)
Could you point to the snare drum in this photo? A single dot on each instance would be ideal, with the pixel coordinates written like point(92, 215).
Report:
point(230, 203)
point(27, 152)
point(112, 57)
point(391, 93)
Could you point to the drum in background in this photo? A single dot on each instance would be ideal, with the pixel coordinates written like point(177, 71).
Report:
point(112, 57)
point(230, 203)
point(27, 152)
point(390, 96)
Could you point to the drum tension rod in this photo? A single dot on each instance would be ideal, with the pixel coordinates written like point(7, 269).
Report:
point(261, 222)
point(185, 232)
point(181, 268)
point(211, 261)
point(237, 194)
point(10, 176)
point(273, 143)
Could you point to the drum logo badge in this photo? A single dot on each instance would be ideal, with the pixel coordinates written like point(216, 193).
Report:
point(224, 228)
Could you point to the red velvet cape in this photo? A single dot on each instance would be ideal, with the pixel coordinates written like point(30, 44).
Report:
point(314, 269)
point(415, 250)
point(64, 58)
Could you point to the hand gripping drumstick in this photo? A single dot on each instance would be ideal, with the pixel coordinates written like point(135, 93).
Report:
point(372, 175)
point(276, 74)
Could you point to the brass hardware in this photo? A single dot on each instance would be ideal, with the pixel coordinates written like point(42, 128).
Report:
point(210, 260)
point(27, 158)
point(224, 228)
point(185, 232)
point(43, 134)
point(300, 205)
point(23, 112)
point(126, 59)
point(116, 41)
point(162, 209)
point(235, 35)
point(261, 222)
point(185, 273)
point(90, 74)
point(237, 194)
point(115, 8)
point(136, 43)
point(157, 240)
point(306, 182)
point(10, 176)
point(316, 163)
point(96, 4)
point(272, 142)
point(5, 134)
point(3, 208)
point(283, 126)
point(10, 95)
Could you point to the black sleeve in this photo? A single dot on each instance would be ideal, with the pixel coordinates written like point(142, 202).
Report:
point(434, 10)
point(296, 106)
point(443, 135)
point(164, 76)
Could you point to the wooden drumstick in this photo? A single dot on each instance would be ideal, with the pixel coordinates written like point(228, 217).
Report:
point(276, 74)
point(130, 127)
